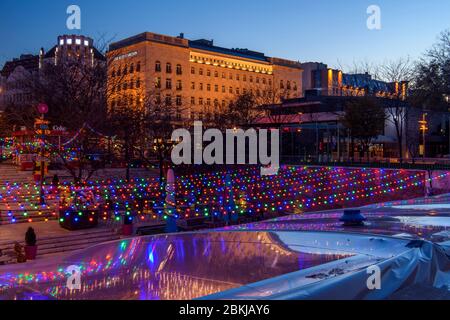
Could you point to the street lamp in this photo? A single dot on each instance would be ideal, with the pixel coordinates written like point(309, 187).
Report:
point(42, 109)
point(423, 126)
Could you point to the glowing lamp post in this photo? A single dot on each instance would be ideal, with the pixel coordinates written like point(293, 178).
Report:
point(42, 109)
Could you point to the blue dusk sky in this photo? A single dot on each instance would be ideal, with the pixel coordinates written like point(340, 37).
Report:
point(330, 31)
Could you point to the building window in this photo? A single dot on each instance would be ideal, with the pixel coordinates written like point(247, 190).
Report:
point(168, 83)
point(223, 75)
point(208, 102)
point(168, 100)
point(208, 73)
point(200, 71)
point(158, 83)
point(216, 88)
point(193, 101)
point(288, 85)
point(223, 89)
point(216, 74)
point(179, 85)
point(125, 70)
point(281, 84)
point(216, 103)
point(237, 90)
point(201, 86)
point(179, 69)
point(264, 80)
point(208, 87)
point(158, 66)
point(237, 77)
point(192, 85)
point(132, 68)
point(179, 101)
point(138, 67)
point(224, 103)
point(200, 101)
point(169, 67)
point(231, 90)
point(131, 84)
point(192, 70)
point(295, 87)
point(231, 76)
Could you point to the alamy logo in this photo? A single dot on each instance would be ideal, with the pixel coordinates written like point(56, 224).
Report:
point(235, 142)
point(374, 19)
point(374, 280)
point(74, 279)
point(74, 20)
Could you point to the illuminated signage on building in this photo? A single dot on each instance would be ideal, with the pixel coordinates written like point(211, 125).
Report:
point(126, 56)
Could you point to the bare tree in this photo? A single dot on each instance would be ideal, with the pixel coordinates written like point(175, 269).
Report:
point(399, 73)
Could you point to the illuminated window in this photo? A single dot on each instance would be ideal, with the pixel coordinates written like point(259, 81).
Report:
point(61, 42)
point(78, 42)
point(69, 41)
point(86, 43)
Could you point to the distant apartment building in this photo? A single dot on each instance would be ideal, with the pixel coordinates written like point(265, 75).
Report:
point(195, 75)
point(332, 82)
point(13, 91)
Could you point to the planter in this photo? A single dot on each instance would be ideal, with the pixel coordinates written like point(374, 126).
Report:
point(127, 227)
point(31, 252)
point(127, 230)
point(78, 220)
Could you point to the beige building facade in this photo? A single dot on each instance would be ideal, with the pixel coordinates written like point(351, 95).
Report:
point(196, 76)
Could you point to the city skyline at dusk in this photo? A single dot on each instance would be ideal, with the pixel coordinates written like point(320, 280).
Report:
point(298, 30)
